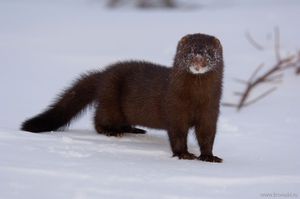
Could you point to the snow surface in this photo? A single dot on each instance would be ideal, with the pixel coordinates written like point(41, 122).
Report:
point(44, 45)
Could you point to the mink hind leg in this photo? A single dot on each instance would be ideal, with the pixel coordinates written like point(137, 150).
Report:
point(110, 121)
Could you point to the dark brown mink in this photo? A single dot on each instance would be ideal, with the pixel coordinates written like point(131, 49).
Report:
point(140, 93)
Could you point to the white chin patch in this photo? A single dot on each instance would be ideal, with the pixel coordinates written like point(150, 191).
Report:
point(200, 71)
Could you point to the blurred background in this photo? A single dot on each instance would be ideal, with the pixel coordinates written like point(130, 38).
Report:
point(45, 44)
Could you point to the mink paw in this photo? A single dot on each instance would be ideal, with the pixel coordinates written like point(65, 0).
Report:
point(185, 156)
point(137, 131)
point(210, 158)
point(115, 134)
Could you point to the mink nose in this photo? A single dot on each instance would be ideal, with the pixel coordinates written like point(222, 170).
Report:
point(199, 62)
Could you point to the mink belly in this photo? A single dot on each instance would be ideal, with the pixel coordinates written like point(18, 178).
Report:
point(146, 121)
point(142, 96)
point(143, 110)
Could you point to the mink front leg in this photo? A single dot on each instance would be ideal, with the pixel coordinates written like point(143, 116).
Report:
point(205, 133)
point(178, 141)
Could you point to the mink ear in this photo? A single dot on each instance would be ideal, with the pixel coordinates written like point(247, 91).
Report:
point(183, 40)
point(217, 42)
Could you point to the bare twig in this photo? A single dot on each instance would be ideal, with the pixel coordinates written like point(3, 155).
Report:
point(144, 3)
point(240, 81)
point(253, 42)
point(238, 93)
point(277, 43)
point(260, 96)
point(272, 75)
point(229, 104)
point(275, 77)
point(255, 72)
point(298, 64)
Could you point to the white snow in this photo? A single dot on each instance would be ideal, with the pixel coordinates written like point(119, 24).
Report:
point(44, 45)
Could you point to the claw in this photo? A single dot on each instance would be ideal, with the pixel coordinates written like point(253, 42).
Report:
point(185, 156)
point(210, 158)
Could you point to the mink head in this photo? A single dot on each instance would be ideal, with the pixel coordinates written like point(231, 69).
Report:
point(198, 54)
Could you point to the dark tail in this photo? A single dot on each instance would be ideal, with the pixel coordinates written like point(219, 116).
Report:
point(68, 105)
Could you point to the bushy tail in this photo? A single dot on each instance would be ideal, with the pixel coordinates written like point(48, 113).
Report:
point(67, 106)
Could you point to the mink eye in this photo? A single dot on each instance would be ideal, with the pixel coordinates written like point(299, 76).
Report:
point(210, 53)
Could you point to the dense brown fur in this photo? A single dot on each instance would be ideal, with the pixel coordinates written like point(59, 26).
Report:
point(146, 94)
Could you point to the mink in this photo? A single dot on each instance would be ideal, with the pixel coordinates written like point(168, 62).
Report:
point(139, 93)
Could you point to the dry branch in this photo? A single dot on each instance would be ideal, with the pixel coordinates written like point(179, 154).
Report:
point(277, 43)
point(272, 75)
point(298, 66)
point(143, 3)
point(253, 42)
